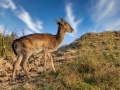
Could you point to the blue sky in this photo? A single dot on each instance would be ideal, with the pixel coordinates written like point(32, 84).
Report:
point(37, 16)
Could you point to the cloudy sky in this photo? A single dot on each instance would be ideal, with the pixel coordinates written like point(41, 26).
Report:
point(37, 16)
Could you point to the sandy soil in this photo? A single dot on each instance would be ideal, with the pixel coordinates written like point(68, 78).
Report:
point(35, 65)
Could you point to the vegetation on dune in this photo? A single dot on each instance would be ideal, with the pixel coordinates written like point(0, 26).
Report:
point(96, 67)
point(5, 43)
point(84, 74)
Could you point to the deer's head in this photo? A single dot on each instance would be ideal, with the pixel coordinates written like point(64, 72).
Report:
point(64, 25)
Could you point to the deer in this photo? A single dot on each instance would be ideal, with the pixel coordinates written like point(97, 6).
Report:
point(31, 44)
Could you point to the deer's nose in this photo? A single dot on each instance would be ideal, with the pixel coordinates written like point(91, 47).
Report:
point(72, 30)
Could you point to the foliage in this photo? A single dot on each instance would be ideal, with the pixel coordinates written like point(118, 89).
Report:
point(96, 68)
point(5, 43)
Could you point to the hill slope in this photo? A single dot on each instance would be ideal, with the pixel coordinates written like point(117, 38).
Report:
point(92, 62)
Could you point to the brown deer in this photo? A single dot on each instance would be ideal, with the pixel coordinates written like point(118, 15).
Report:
point(31, 44)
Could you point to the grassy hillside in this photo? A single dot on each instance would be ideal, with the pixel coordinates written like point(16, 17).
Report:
point(5, 44)
point(92, 62)
point(96, 67)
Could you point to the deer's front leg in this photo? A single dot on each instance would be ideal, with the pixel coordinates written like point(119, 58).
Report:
point(45, 58)
point(52, 64)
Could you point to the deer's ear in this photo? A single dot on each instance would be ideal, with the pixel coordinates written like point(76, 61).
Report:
point(57, 21)
point(61, 21)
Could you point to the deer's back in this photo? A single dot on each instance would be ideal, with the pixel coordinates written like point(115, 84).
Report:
point(36, 42)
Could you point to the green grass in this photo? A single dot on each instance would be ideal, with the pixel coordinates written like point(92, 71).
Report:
point(84, 74)
point(6, 41)
point(96, 68)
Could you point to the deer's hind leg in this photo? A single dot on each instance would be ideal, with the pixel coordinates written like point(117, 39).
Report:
point(24, 64)
point(45, 58)
point(16, 64)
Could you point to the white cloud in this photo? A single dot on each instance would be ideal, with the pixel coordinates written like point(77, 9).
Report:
point(7, 4)
point(25, 17)
point(113, 25)
point(27, 31)
point(102, 10)
point(71, 19)
point(105, 14)
point(2, 14)
point(1, 28)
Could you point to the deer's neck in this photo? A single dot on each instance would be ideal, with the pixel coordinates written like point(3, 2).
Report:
point(60, 34)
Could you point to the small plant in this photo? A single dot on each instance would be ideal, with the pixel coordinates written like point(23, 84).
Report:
point(20, 88)
point(115, 47)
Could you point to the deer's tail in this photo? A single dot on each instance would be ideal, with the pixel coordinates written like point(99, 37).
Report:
point(14, 48)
